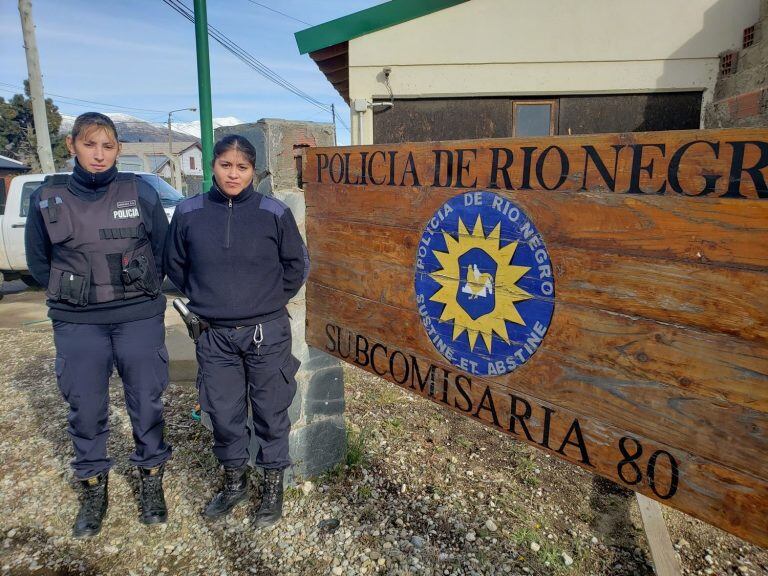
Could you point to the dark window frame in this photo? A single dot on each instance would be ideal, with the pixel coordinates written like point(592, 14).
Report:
point(728, 64)
point(26, 193)
point(553, 114)
point(749, 36)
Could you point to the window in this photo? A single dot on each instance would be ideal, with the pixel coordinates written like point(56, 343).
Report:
point(169, 196)
point(2, 196)
point(749, 36)
point(727, 64)
point(534, 118)
point(191, 162)
point(26, 192)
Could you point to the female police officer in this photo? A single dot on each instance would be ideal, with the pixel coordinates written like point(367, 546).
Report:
point(96, 240)
point(239, 257)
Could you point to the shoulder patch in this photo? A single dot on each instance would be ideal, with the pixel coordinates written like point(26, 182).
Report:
point(191, 204)
point(271, 204)
point(57, 179)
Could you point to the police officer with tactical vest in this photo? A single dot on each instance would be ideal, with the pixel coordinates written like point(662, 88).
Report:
point(96, 238)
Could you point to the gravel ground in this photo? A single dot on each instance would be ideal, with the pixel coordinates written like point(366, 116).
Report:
point(423, 491)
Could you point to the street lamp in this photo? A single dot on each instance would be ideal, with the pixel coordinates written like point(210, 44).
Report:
point(171, 161)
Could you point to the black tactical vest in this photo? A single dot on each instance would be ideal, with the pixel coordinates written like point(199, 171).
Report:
point(101, 252)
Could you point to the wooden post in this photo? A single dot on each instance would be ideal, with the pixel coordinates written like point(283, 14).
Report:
point(42, 136)
point(664, 561)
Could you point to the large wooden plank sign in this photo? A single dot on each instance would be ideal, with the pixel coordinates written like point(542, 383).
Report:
point(603, 298)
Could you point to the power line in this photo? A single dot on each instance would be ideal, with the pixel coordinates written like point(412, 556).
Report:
point(340, 121)
point(246, 57)
point(278, 12)
point(16, 87)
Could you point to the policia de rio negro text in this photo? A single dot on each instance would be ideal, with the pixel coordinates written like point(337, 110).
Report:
point(96, 240)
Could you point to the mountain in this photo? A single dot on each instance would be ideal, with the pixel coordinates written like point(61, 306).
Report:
point(132, 129)
point(193, 128)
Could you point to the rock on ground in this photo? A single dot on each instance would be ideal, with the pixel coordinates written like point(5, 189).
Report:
point(423, 491)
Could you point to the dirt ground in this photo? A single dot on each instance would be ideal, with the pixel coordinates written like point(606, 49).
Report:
point(423, 491)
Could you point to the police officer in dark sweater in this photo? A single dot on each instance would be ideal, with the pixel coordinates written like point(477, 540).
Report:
point(95, 239)
point(239, 257)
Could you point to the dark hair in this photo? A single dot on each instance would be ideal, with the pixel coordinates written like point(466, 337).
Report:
point(89, 119)
point(235, 142)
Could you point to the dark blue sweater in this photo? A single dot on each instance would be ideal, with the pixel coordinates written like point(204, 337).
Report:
point(92, 187)
point(238, 260)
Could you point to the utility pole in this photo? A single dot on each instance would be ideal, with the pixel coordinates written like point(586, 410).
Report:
point(171, 160)
point(171, 163)
point(44, 153)
point(333, 113)
point(204, 91)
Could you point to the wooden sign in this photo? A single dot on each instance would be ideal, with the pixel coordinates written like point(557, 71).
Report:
point(603, 298)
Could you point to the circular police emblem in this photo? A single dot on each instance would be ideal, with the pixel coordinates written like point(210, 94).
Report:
point(484, 285)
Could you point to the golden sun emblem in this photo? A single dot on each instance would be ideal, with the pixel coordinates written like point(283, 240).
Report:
point(459, 276)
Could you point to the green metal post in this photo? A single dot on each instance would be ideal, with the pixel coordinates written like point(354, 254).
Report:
point(204, 91)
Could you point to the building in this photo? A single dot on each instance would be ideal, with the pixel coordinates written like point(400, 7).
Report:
point(181, 169)
point(741, 92)
point(8, 169)
point(452, 69)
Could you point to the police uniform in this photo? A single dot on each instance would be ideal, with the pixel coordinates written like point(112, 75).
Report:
point(239, 260)
point(96, 242)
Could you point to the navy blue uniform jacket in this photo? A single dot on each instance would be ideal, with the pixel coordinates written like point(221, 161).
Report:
point(238, 260)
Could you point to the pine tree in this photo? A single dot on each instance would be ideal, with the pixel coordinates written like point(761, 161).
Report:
point(17, 131)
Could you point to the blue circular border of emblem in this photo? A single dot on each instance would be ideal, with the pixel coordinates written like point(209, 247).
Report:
point(539, 282)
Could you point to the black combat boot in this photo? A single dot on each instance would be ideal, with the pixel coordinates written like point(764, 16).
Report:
point(153, 508)
point(93, 506)
point(271, 509)
point(235, 491)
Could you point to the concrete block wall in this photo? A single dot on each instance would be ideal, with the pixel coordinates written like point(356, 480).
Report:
point(318, 434)
point(741, 99)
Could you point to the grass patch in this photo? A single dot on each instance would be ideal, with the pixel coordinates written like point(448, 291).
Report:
point(551, 556)
point(523, 536)
point(365, 492)
point(394, 426)
point(357, 449)
point(463, 442)
point(292, 493)
point(525, 471)
point(356, 457)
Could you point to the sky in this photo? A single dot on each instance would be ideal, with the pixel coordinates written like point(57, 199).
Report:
point(139, 57)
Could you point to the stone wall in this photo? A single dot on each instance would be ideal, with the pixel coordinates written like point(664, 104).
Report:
point(741, 98)
point(318, 436)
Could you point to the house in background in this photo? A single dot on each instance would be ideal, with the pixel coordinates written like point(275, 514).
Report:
point(183, 168)
point(741, 93)
point(8, 169)
point(455, 69)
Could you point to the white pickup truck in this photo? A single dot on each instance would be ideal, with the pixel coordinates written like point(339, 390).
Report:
point(14, 208)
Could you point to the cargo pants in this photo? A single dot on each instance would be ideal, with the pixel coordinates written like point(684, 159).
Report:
point(85, 357)
point(248, 365)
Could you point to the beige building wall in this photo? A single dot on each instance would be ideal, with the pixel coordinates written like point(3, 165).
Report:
point(549, 47)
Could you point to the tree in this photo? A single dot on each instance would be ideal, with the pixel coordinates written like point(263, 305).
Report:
point(17, 131)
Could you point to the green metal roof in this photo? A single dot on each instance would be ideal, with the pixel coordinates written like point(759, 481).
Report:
point(367, 21)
